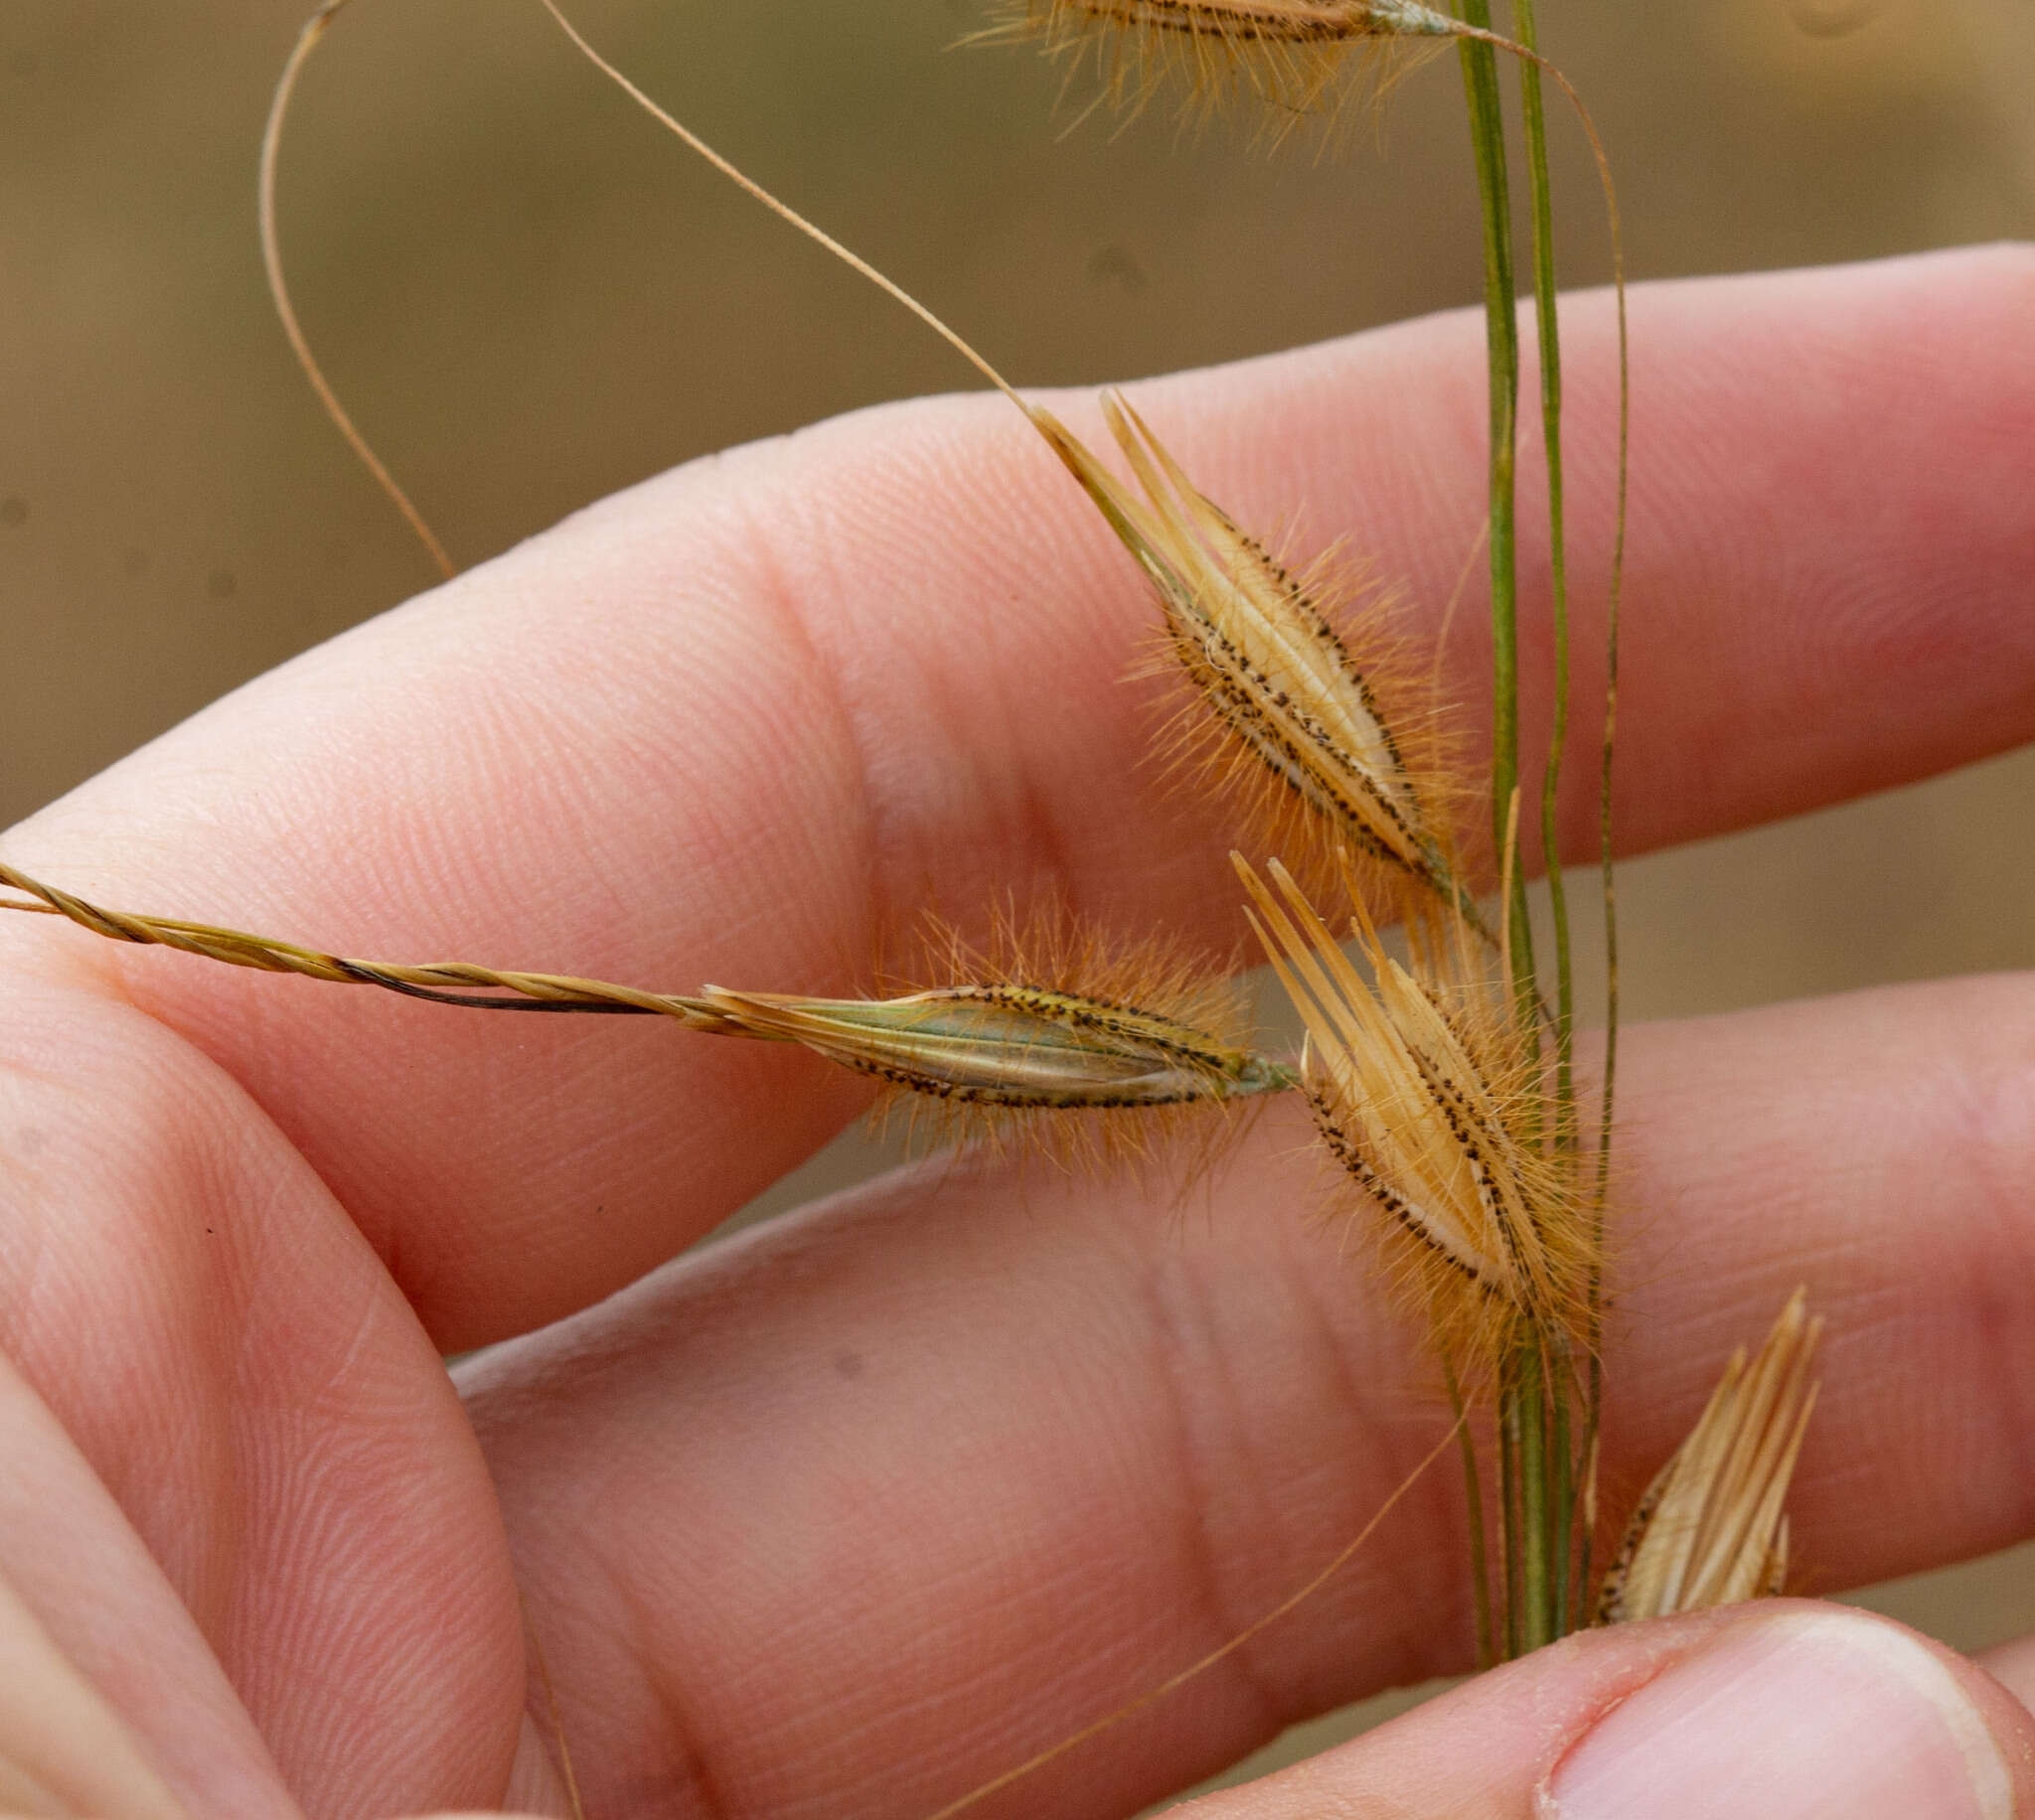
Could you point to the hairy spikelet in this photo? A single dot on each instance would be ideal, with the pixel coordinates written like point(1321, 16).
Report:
point(1431, 1101)
point(1293, 57)
point(1711, 1529)
point(1216, 745)
point(1289, 706)
point(1052, 1038)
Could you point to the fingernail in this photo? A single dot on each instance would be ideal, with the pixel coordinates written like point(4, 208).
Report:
point(1801, 1715)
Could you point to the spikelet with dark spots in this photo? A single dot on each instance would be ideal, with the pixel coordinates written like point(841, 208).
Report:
point(1711, 1529)
point(1291, 712)
point(1051, 1039)
point(1294, 56)
point(1431, 1101)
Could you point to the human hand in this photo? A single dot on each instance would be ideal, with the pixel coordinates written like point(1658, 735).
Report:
point(853, 1513)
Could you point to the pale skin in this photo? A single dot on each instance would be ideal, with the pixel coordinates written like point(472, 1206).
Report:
point(851, 1514)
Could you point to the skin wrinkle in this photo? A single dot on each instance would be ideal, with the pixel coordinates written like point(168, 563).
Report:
point(27, 1256)
point(1258, 1599)
point(792, 619)
point(210, 1139)
point(1427, 1655)
point(687, 1752)
point(1990, 1137)
point(1191, 1373)
point(1194, 1541)
point(899, 846)
point(2005, 1326)
point(1997, 1303)
point(1020, 816)
point(152, 1286)
point(304, 1478)
point(209, 1744)
point(683, 1742)
point(615, 1597)
point(902, 847)
point(1421, 1655)
point(858, 805)
point(1871, 1303)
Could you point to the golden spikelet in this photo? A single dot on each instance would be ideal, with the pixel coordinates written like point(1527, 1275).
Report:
point(1711, 1529)
point(1429, 1095)
point(1054, 1039)
point(1295, 55)
point(1054, 1018)
point(1284, 691)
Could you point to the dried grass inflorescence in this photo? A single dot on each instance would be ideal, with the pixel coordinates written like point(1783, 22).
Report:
point(1050, 1039)
point(1431, 1095)
point(1296, 56)
point(1291, 713)
point(1712, 1529)
point(1122, 1028)
point(1011, 1045)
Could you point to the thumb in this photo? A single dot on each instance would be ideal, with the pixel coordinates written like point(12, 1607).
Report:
point(1782, 1710)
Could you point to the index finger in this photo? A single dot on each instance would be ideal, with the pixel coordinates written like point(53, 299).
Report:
point(742, 721)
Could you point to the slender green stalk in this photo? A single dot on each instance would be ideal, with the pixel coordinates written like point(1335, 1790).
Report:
point(1530, 1529)
point(1594, 1393)
point(1549, 337)
point(1562, 1465)
point(1509, 1526)
point(1501, 336)
point(1472, 1496)
point(1540, 1620)
point(1561, 1488)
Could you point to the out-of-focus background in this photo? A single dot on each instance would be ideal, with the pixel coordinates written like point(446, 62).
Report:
point(529, 297)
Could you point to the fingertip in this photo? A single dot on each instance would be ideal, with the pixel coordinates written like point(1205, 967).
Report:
point(2013, 1665)
point(1790, 1710)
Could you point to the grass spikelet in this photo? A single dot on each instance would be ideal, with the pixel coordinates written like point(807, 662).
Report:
point(1052, 1038)
point(1218, 748)
point(1294, 711)
point(1050, 1020)
point(1296, 57)
point(1428, 1095)
point(1711, 1529)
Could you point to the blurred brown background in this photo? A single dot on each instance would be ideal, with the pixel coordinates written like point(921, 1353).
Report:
point(529, 297)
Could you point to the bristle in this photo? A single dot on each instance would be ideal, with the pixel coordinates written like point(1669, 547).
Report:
point(1297, 57)
point(1432, 1103)
point(1053, 1039)
point(1711, 1529)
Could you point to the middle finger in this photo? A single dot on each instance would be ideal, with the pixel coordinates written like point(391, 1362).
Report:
point(947, 1467)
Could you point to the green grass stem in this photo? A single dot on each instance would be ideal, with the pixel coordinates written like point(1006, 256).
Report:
point(1562, 1462)
point(1473, 1494)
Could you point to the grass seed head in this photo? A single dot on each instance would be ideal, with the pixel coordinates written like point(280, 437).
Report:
point(1291, 711)
point(1434, 1102)
point(1051, 1038)
point(1711, 1529)
point(1294, 56)
point(1010, 1045)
